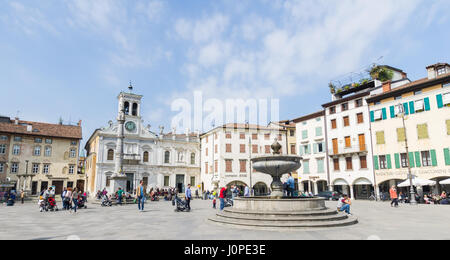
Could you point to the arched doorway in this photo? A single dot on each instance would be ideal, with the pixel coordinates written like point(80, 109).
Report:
point(239, 184)
point(260, 189)
point(362, 189)
point(341, 186)
point(321, 186)
point(385, 186)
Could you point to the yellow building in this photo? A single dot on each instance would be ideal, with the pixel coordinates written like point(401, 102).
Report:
point(426, 105)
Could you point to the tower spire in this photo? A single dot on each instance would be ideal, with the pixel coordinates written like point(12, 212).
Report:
point(130, 87)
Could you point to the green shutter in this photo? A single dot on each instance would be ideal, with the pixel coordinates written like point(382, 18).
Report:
point(375, 162)
point(440, 102)
point(392, 109)
point(397, 160)
point(315, 148)
point(411, 107)
point(405, 107)
point(372, 116)
point(384, 113)
point(309, 149)
point(388, 159)
point(426, 101)
point(433, 157)
point(447, 156)
point(411, 159)
point(417, 157)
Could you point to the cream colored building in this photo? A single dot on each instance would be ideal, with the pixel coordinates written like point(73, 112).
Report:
point(41, 155)
point(426, 103)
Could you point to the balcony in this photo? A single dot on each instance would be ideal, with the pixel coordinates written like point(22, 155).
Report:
point(342, 150)
point(132, 157)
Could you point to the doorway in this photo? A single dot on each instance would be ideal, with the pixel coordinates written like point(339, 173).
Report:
point(58, 186)
point(180, 183)
point(130, 182)
point(34, 188)
point(44, 185)
point(80, 185)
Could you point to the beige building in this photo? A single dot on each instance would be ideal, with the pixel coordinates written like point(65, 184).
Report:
point(426, 104)
point(36, 155)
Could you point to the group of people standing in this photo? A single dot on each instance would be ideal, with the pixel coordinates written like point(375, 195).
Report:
point(397, 197)
point(71, 198)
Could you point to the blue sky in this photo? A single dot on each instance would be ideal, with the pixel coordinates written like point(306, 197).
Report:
point(71, 58)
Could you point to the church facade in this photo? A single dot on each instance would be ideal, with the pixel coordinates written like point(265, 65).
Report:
point(161, 160)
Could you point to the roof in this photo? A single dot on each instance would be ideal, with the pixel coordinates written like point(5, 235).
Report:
point(42, 129)
point(285, 123)
point(438, 65)
point(242, 126)
point(343, 100)
point(310, 116)
point(412, 86)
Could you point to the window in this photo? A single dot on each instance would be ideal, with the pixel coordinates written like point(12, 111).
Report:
point(46, 169)
point(16, 149)
point(3, 138)
point(145, 156)
point(318, 119)
point(216, 167)
point(108, 181)
point(306, 167)
point(73, 153)
point(358, 102)
point(333, 124)
point(446, 99)
point(206, 169)
point(292, 133)
point(2, 167)
point(35, 168)
point(37, 151)
point(242, 148)
point(360, 118)
point(441, 71)
point(426, 158)
point(38, 140)
point(293, 149)
point(346, 121)
point(166, 181)
point(280, 137)
point(228, 165)
point(134, 109)
point(404, 160)
point(344, 107)
point(228, 135)
point(419, 106)
point(267, 149)
point(349, 163)
point(383, 162)
point(71, 169)
point(348, 142)
point(267, 136)
point(332, 110)
point(216, 148)
point(380, 137)
point(398, 97)
point(336, 164)
point(254, 148)
point(320, 147)
point(305, 134)
point(193, 181)
point(206, 151)
point(228, 148)
point(377, 102)
point(242, 136)
point(448, 126)
point(73, 143)
point(417, 92)
point(110, 156)
point(192, 158)
point(243, 165)
point(48, 151)
point(318, 131)
point(306, 149)
point(17, 139)
point(378, 114)
point(2, 148)
point(401, 137)
point(320, 166)
point(422, 131)
point(167, 157)
point(126, 108)
point(14, 168)
point(363, 162)
point(48, 141)
point(254, 136)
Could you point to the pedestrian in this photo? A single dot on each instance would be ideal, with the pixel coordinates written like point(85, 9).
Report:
point(75, 200)
point(188, 195)
point(119, 196)
point(394, 196)
point(290, 186)
point(246, 191)
point(22, 196)
point(214, 203)
point(68, 199)
point(63, 196)
point(140, 196)
point(222, 196)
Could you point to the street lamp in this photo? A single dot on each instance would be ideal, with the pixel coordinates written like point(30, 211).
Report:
point(401, 113)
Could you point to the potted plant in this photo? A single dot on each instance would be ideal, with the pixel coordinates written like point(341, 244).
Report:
point(332, 88)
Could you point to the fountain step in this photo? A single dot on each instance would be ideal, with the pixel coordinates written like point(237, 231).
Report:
point(284, 225)
point(281, 213)
point(265, 218)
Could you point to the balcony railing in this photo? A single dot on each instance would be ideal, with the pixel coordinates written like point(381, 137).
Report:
point(345, 150)
point(132, 157)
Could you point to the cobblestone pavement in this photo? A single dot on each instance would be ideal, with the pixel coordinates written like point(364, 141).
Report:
point(377, 220)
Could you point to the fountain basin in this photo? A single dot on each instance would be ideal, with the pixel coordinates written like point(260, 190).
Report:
point(273, 205)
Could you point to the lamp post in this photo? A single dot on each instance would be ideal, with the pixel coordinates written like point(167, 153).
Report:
point(410, 176)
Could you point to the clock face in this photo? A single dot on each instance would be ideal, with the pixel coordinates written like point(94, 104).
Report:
point(130, 126)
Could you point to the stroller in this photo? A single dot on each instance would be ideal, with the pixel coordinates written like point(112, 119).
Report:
point(82, 202)
point(180, 204)
point(228, 202)
point(50, 204)
point(106, 201)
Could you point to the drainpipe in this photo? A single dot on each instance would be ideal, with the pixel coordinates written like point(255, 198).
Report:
point(371, 150)
point(326, 148)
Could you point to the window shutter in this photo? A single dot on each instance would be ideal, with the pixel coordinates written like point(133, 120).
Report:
point(411, 107)
point(380, 137)
point(411, 159)
point(417, 159)
point(426, 101)
point(448, 126)
point(447, 156)
point(440, 102)
point(401, 134)
point(397, 160)
point(388, 159)
point(372, 116)
point(405, 107)
point(392, 108)
point(315, 147)
point(433, 157)
point(384, 114)
point(300, 150)
point(309, 148)
point(375, 162)
point(422, 131)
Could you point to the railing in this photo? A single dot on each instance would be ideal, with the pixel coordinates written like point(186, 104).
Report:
point(132, 157)
point(342, 149)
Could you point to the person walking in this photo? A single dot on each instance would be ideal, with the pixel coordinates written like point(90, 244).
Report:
point(246, 191)
point(63, 197)
point(140, 195)
point(394, 196)
point(188, 195)
point(119, 196)
point(22, 196)
point(290, 183)
point(222, 196)
point(75, 200)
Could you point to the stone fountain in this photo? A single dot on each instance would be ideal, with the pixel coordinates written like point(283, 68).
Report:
point(277, 212)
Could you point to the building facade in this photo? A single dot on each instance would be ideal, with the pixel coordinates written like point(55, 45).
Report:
point(426, 106)
point(226, 154)
point(312, 147)
point(161, 160)
point(34, 155)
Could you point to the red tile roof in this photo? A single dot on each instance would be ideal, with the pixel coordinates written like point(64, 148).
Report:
point(42, 129)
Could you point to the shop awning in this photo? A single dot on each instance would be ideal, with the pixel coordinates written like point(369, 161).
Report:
point(417, 182)
point(340, 182)
point(445, 182)
point(362, 181)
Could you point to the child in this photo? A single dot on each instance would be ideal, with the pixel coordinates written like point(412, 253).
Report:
point(41, 203)
point(214, 203)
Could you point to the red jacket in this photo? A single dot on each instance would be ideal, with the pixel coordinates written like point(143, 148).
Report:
point(223, 193)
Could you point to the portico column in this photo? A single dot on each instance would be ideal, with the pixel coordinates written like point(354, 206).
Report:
point(331, 187)
point(301, 187)
point(377, 190)
point(316, 190)
point(351, 192)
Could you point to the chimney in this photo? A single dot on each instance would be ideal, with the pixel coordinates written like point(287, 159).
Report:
point(386, 86)
point(16, 121)
point(79, 123)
